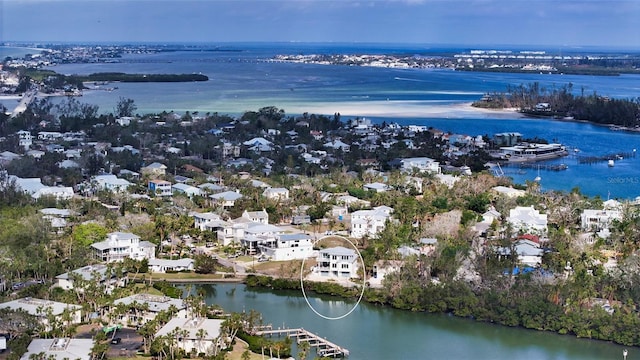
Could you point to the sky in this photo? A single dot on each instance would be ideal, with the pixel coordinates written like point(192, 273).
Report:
point(610, 23)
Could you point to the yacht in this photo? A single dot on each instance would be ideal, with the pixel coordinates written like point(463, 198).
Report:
point(531, 152)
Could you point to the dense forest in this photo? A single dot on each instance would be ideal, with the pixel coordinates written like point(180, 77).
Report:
point(534, 99)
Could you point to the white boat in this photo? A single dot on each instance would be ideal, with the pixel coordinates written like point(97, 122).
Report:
point(531, 152)
point(611, 163)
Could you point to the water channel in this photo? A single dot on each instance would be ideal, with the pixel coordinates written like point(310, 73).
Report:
point(375, 332)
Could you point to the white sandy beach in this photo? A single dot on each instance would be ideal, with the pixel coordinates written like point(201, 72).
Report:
point(408, 109)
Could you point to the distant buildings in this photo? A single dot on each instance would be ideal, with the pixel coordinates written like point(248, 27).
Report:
point(59, 349)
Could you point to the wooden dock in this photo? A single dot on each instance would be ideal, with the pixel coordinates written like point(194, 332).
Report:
point(325, 348)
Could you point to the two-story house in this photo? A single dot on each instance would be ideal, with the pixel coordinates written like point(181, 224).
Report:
point(337, 262)
point(283, 247)
point(369, 222)
point(121, 245)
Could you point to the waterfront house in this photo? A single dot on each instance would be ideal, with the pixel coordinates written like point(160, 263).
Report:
point(255, 233)
point(121, 245)
point(284, 247)
point(154, 169)
point(164, 265)
point(527, 220)
point(337, 262)
point(197, 335)
point(59, 349)
point(381, 269)
point(160, 187)
point(101, 274)
point(41, 308)
point(145, 307)
point(226, 199)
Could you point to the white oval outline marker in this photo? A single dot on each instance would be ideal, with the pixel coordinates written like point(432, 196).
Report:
point(364, 281)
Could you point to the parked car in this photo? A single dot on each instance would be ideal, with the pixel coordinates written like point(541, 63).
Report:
point(116, 341)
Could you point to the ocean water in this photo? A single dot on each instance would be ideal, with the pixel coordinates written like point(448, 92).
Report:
point(242, 78)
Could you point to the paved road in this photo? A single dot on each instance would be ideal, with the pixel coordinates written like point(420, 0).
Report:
point(27, 98)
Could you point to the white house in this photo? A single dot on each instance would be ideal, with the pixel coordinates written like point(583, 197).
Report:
point(56, 217)
point(259, 144)
point(421, 164)
point(256, 233)
point(124, 120)
point(111, 183)
point(25, 139)
point(164, 265)
point(283, 247)
point(99, 273)
point(226, 199)
point(276, 193)
point(201, 220)
point(59, 349)
point(160, 187)
point(509, 191)
point(260, 216)
point(200, 335)
point(148, 306)
point(369, 222)
point(527, 220)
point(349, 200)
point(39, 308)
point(35, 188)
point(381, 269)
point(120, 245)
point(598, 221)
point(337, 262)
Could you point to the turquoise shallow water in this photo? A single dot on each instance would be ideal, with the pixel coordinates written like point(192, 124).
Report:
point(245, 80)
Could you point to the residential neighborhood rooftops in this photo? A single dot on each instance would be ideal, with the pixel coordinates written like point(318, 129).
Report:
point(38, 306)
point(156, 303)
point(59, 349)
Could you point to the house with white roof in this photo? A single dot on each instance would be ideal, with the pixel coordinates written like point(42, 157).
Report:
point(420, 164)
point(99, 273)
point(256, 233)
point(111, 183)
point(35, 188)
point(59, 349)
point(193, 328)
point(276, 193)
point(488, 218)
point(369, 222)
point(260, 216)
point(226, 199)
point(349, 200)
point(25, 139)
point(527, 220)
point(284, 247)
point(121, 245)
point(146, 307)
point(188, 190)
point(163, 265)
point(337, 262)
point(39, 308)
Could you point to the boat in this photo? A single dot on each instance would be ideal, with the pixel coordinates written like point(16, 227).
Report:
point(531, 152)
point(610, 163)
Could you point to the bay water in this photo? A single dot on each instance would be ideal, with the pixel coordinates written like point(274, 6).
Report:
point(242, 78)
